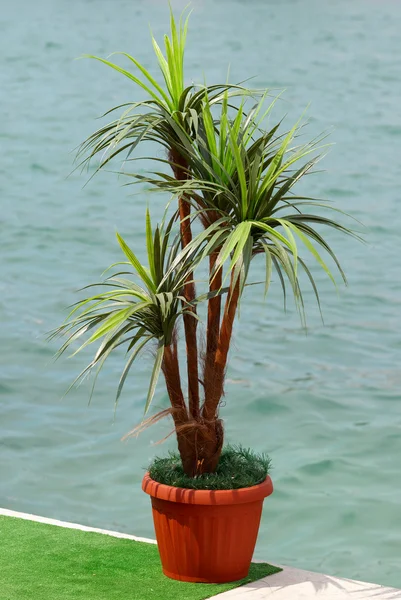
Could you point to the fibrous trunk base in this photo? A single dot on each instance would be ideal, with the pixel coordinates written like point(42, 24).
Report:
point(200, 445)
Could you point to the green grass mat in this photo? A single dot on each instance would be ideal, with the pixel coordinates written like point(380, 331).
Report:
point(47, 562)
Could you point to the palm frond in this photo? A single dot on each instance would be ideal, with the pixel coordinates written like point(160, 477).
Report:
point(244, 179)
point(170, 116)
point(132, 314)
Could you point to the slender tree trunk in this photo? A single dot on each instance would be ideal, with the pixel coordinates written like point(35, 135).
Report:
point(171, 371)
point(190, 323)
point(211, 405)
point(180, 415)
point(213, 327)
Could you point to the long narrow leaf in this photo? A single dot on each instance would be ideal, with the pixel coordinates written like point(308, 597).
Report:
point(155, 375)
point(128, 365)
point(135, 263)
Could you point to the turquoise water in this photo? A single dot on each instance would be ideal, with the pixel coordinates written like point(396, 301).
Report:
point(326, 406)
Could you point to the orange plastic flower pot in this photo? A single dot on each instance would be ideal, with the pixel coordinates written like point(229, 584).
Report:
point(206, 536)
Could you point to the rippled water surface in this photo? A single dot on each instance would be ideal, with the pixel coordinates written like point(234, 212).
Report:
point(326, 406)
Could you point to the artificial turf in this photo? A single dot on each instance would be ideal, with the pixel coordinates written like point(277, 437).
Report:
point(48, 562)
point(238, 468)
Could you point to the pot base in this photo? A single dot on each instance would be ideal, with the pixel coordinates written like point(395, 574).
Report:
point(231, 578)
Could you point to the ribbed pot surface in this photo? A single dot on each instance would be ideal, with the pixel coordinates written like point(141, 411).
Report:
point(206, 536)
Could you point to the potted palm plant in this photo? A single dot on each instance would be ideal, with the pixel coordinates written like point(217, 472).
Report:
point(234, 180)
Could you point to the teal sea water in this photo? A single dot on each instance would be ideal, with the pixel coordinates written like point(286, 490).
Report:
point(326, 406)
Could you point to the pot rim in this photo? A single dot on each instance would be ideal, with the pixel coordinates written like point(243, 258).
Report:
point(207, 497)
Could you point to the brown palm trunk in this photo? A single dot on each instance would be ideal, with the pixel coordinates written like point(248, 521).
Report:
point(171, 371)
point(200, 445)
point(179, 166)
point(213, 327)
point(210, 407)
point(190, 322)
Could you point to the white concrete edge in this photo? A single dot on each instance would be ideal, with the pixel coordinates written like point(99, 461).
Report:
point(12, 513)
point(289, 584)
point(297, 584)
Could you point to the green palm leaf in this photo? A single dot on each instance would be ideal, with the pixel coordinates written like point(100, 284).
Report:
point(128, 365)
point(155, 375)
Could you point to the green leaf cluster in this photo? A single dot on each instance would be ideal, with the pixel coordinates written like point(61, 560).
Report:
point(132, 311)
